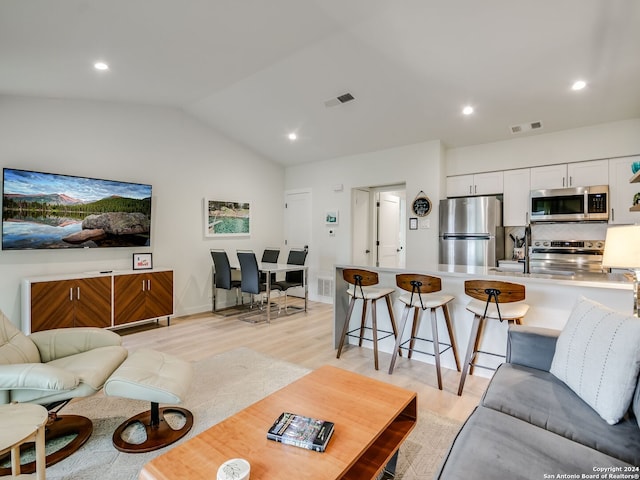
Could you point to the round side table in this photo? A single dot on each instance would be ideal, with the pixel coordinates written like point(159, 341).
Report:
point(21, 423)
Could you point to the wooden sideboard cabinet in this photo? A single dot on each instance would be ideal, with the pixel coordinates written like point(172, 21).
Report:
point(105, 300)
point(142, 296)
point(83, 302)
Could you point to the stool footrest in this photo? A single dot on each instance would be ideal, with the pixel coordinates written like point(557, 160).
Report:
point(447, 346)
point(478, 365)
point(381, 337)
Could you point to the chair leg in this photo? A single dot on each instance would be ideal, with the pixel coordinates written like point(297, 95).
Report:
point(436, 345)
point(476, 346)
point(363, 320)
point(470, 352)
point(396, 349)
point(345, 328)
point(374, 328)
point(414, 330)
point(452, 338)
point(392, 318)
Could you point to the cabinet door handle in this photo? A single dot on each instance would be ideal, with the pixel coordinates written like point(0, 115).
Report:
point(71, 294)
point(143, 286)
point(470, 191)
point(613, 214)
point(475, 189)
point(77, 293)
point(563, 182)
point(149, 284)
point(570, 181)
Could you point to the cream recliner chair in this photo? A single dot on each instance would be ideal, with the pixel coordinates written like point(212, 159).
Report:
point(52, 367)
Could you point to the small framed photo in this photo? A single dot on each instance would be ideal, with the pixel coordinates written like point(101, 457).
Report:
point(413, 223)
point(331, 217)
point(142, 261)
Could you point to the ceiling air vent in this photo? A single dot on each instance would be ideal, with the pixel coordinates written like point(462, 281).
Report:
point(340, 99)
point(525, 127)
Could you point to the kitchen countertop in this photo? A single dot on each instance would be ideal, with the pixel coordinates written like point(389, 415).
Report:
point(550, 297)
point(597, 280)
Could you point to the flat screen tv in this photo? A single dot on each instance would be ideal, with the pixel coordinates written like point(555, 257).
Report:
point(49, 211)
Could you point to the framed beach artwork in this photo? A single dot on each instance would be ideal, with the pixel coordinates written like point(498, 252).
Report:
point(226, 219)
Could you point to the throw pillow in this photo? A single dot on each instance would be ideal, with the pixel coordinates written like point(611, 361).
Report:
point(598, 356)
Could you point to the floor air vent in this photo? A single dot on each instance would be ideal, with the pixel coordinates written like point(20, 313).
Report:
point(325, 287)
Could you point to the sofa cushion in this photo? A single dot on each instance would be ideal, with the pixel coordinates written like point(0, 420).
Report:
point(15, 346)
point(93, 367)
point(597, 356)
point(538, 397)
point(494, 445)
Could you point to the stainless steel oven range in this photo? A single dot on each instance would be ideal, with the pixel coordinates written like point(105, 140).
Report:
point(566, 257)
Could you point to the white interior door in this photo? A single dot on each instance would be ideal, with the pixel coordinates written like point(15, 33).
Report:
point(297, 224)
point(361, 247)
point(389, 247)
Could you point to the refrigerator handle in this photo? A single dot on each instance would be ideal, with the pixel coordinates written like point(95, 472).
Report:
point(448, 236)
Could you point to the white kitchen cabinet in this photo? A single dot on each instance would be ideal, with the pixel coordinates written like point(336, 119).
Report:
point(585, 174)
point(460, 186)
point(549, 176)
point(490, 183)
point(621, 192)
point(516, 203)
point(564, 175)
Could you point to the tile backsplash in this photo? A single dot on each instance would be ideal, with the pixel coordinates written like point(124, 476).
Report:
point(558, 231)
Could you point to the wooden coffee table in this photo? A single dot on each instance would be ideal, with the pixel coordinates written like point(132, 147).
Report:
point(372, 419)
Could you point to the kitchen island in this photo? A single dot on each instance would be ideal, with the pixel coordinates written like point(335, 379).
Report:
point(551, 299)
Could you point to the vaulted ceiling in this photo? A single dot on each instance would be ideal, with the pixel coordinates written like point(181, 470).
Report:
point(257, 70)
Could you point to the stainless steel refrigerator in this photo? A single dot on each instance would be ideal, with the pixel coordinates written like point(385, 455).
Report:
point(471, 231)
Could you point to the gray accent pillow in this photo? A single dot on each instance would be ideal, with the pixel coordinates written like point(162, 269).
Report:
point(598, 356)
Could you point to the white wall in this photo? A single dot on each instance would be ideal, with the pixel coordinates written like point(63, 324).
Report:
point(424, 166)
point(419, 166)
point(183, 159)
point(608, 140)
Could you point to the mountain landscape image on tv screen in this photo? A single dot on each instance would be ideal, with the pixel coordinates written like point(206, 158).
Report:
point(50, 211)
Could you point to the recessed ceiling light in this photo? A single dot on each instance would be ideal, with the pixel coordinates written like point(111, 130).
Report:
point(468, 110)
point(578, 85)
point(100, 66)
point(293, 136)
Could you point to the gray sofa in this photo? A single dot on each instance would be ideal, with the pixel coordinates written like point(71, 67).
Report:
point(530, 425)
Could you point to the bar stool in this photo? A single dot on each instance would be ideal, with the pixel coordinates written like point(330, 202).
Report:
point(483, 293)
point(423, 297)
point(364, 289)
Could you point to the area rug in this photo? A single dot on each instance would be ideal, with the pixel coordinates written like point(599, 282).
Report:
point(225, 384)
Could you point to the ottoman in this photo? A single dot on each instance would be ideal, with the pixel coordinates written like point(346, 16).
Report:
point(157, 378)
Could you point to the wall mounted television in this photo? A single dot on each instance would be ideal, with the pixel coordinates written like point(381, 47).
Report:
point(50, 211)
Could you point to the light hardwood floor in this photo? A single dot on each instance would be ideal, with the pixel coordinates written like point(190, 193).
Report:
point(306, 340)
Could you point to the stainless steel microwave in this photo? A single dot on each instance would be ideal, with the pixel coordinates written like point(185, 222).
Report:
point(579, 204)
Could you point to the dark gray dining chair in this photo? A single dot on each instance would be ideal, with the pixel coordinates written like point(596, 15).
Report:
point(250, 276)
point(222, 277)
point(297, 256)
point(269, 255)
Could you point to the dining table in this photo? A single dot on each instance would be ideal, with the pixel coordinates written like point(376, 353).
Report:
point(269, 268)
